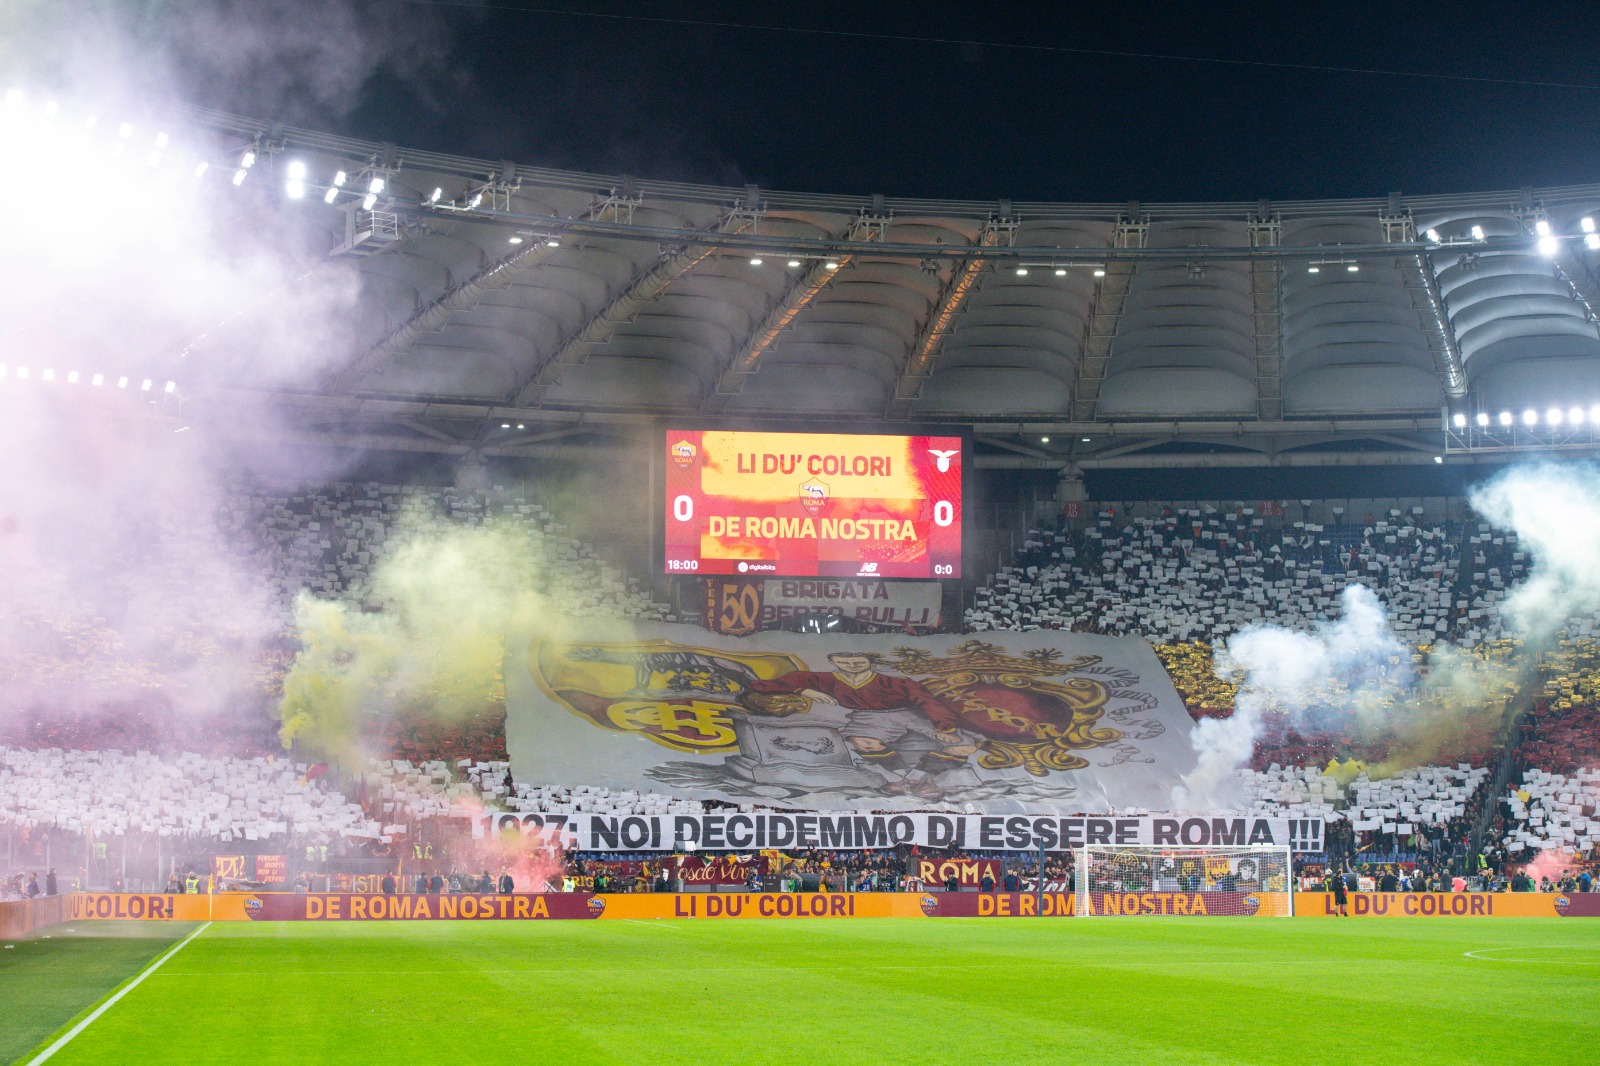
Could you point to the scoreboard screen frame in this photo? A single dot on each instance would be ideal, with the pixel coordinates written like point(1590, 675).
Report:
point(658, 479)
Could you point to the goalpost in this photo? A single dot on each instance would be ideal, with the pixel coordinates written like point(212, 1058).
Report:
point(1153, 879)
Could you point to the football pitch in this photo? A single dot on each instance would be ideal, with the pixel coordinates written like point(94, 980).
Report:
point(1137, 990)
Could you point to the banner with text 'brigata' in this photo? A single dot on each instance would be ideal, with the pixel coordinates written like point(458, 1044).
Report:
point(1015, 723)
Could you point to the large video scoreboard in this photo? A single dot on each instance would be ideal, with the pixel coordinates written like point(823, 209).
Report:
point(812, 504)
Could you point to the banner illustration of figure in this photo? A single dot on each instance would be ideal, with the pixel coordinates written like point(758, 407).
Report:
point(867, 721)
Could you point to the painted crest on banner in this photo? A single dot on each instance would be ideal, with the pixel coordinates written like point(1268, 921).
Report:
point(814, 497)
point(677, 696)
point(683, 454)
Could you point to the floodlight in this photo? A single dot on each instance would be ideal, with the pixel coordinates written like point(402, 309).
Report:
point(1433, 235)
point(1591, 241)
point(1505, 418)
point(369, 201)
point(513, 239)
point(146, 386)
point(72, 377)
point(1586, 224)
point(248, 160)
point(297, 170)
point(830, 265)
point(376, 185)
point(1099, 273)
point(794, 262)
point(332, 194)
point(1313, 269)
point(505, 425)
point(97, 380)
point(340, 177)
point(1549, 246)
point(472, 205)
point(1530, 417)
point(755, 261)
point(162, 140)
point(1353, 267)
point(1022, 272)
point(522, 425)
point(122, 382)
point(238, 176)
point(1483, 418)
point(154, 157)
point(48, 374)
point(1553, 416)
point(1438, 458)
point(171, 387)
point(1594, 413)
point(1477, 233)
point(1575, 416)
point(125, 131)
point(433, 197)
point(1086, 440)
point(295, 189)
point(1460, 420)
point(1542, 227)
point(22, 373)
point(551, 242)
point(200, 168)
point(1061, 272)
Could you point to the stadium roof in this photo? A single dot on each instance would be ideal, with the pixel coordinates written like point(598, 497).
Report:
point(1331, 331)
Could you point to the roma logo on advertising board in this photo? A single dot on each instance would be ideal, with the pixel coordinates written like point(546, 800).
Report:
point(873, 722)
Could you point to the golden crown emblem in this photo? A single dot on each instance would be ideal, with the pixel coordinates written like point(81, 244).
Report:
point(978, 657)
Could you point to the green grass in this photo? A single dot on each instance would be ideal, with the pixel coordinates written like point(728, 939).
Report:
point(1136, 990)
point(59, 973)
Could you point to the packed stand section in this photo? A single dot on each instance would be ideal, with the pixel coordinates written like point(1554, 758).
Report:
point(1204, 573)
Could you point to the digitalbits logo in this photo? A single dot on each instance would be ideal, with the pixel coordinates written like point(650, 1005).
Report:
point(930, 906)
point(597, 906)
point(683, 454)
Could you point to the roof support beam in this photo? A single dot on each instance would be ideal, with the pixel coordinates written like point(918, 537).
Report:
point(1423, 284)
point(434, 315)
point(1105, 315)
point(813, 280)
point(1266, 298)
point(673, 264)
point(941, 323)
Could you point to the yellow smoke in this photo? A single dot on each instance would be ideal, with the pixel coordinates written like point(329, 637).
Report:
point(427, 633)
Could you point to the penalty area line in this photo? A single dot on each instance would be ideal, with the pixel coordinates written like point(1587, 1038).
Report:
point(66, 1037)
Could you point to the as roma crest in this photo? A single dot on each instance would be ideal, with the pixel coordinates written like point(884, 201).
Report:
point(683, 454)
point(814, 497)
point(675, 695)
point(596, 905)
point(930, 905)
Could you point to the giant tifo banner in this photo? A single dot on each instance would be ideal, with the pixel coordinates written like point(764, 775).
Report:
point(739, 606)
point(772, 830)
point(811, 504)
point(1031, 723)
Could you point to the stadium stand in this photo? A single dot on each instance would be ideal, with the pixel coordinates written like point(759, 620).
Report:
point(1205, 572)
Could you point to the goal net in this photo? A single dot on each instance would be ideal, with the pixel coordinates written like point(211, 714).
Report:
point(1151, 880)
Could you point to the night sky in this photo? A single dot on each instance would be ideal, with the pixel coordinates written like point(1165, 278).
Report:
point(874, 114)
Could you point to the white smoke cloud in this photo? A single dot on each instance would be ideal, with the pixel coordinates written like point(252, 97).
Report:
point(125, 263)
point(1289, 671)
point(1555, 512)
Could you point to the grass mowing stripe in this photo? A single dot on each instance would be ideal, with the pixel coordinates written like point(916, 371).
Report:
point(66, 1037)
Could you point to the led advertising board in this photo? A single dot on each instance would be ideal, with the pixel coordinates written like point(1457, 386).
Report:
point(773, 504)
